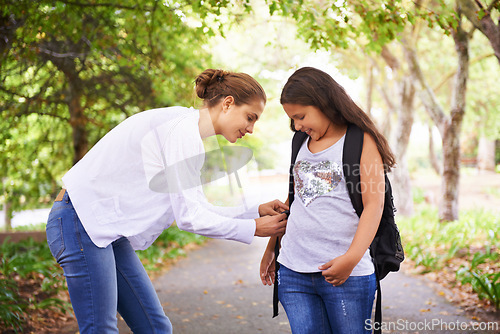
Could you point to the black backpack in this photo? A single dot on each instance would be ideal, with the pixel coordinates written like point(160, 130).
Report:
point(386, 249)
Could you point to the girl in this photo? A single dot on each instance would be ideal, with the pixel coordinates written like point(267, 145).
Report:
point(326, 281)
point(133, 184)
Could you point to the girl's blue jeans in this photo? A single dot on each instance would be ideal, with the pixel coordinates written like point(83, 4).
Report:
point(317, 307)
point(102, 281)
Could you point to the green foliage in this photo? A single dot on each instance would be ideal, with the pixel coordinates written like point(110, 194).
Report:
point(169, 245)
point(31, 262)
point(71, 71)
point(418, 195)
point(11, 312)
point(485, 284)
point(344, 24)
point(474, 239)
point(429, 241)
point(28, 261)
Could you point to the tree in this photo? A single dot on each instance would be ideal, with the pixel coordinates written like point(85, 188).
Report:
point(367, 26)
point(373, 25)
point(71, 70)
point(449, 126)
point(481, 16)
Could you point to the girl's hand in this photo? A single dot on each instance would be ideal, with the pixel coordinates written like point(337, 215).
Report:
point(338, 270)
point(267, 268)
point(272, 208)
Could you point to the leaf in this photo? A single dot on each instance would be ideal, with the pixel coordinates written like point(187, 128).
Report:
point(481, 14)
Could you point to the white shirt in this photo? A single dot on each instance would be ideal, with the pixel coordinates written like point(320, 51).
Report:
point(143, 175)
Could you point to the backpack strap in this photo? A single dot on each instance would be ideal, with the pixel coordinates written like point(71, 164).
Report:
point(297, 140)
point(351, 157)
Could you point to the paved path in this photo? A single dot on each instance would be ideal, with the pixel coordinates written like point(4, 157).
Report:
point(216, 289)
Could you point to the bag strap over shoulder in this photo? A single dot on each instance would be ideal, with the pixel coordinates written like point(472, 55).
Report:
point(351, 157)
point(353, 147)
point(298, 139)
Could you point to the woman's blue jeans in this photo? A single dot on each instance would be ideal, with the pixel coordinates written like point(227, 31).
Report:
point(102, 281)
point(317, 307)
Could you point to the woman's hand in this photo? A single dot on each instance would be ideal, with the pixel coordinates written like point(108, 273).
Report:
point(267, 267)
point(270, 226)
point(272, 208)
point(338, 270)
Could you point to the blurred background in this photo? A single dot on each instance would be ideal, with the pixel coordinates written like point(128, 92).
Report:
point(71, 71)
point(425, 71)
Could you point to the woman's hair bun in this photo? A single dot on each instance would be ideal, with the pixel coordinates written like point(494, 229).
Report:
point(207, 79)
point(213, 85)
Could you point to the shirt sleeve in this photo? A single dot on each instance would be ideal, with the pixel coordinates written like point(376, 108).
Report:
point(184, 156)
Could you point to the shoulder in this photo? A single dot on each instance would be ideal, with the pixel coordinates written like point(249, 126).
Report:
point(370, 153)
point(368, 140)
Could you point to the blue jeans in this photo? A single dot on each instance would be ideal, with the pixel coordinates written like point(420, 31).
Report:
point(102, 281)
point(315, 306)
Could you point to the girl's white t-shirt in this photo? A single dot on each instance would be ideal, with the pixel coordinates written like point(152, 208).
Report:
point(322, 220)
point(143, 175)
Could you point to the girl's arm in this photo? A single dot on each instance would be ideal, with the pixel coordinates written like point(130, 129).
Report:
point(372, 188)
point(267, 264)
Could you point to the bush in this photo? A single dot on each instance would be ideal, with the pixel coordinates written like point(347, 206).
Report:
point(31, 280)
point(473, 241)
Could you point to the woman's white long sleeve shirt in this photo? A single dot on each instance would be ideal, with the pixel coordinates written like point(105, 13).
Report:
point(143, 175)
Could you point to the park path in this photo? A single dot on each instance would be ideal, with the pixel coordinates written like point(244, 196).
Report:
point(217, 289)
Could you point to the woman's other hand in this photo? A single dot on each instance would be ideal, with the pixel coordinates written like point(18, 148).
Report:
point(272, 208)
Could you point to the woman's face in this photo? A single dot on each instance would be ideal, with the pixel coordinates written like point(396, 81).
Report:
point(308, 119)
point(236, 121)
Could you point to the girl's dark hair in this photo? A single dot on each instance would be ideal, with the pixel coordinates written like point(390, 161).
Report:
point(213, 85)
point(309, 86)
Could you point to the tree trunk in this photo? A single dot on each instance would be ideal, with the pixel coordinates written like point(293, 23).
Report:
point(402, 184)
point(432, 153)
point(369, 94)
point(486, 155)
point(8, 214)
point(386, 124)
point(471, 9)
point(448, 210)
point(449, 127)
point(393, 63)
point(78, 122)
point(403, 196)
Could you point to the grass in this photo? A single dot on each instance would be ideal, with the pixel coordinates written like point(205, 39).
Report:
point(32, 285)
point(469, 247)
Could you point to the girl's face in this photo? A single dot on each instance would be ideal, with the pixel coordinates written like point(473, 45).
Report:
point(236, 121)
point(308, 119)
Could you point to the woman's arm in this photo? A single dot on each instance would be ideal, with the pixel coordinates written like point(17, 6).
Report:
point(373, 189)
point(178, 163)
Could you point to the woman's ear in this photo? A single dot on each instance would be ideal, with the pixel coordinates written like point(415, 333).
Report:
point(227, 102)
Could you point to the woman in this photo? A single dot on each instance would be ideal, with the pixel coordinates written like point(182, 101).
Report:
point(138, 179)
point(326, 281)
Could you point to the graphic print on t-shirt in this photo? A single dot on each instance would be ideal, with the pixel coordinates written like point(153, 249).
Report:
point(313, 180)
